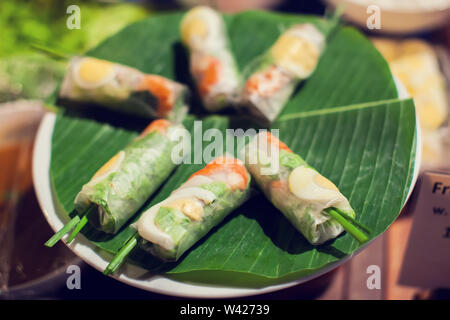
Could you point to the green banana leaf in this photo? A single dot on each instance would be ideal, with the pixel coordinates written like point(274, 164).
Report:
point(346, 121)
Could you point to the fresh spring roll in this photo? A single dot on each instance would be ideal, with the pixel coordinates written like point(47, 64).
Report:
point(124, 89)
point(172, 226)
point(292, 58)
point(122, 185)
point(212, 64)
point(301, 193)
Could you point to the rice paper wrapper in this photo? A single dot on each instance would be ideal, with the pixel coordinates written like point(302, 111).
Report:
point(130, 178)
point(224, 89)
point(124, 89)
point(272, 78)
point(212, 63)
point(266, 107)
point(305, 208)
point(226, 200)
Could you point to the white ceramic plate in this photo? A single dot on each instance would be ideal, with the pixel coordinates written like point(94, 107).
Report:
point(129, 273)
point(403, 18)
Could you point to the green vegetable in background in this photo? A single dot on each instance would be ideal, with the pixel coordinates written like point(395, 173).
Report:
point(26, 74)
point(23, 22)
point(29, 76)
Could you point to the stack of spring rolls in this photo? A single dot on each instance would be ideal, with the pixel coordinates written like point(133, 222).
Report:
point(121, 186)
point(262, 93)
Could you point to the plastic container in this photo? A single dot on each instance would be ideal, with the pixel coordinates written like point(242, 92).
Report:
point(28, 269)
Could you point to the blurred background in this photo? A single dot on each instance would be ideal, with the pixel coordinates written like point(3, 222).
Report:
point(414, 38)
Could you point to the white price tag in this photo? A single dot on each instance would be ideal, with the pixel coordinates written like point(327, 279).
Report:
point(427, 258)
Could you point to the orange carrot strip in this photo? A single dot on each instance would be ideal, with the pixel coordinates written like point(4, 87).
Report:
point(278, 184)
point(271, 139)
point(225, 163)
point(210, 76)
point(160, 87)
